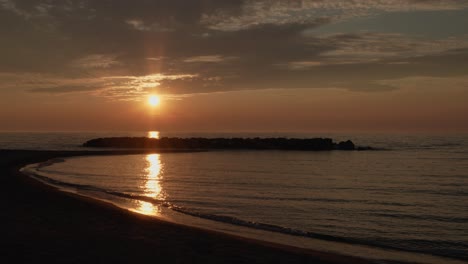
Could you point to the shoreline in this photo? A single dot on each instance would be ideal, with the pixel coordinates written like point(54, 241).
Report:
point(176, 242)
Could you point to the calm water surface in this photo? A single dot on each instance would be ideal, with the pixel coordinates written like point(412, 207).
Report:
point(409, 198)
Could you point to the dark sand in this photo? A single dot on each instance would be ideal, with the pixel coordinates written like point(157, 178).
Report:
point(42, 225)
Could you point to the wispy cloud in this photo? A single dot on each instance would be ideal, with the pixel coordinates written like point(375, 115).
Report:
point(279, 12)
point(428, 82)
point(37, 9)
point(188, 47)
point(384, 45)
point(155, 58)
point(377, 47)
point(139, 24)
point(11, 6)
point(112, 87)
point(96, 61)
point(299, 65)
point(208, 59)
point(65, 89)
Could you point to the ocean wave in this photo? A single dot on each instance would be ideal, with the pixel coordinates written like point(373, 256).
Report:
point(326, 200)
point(459, 248)
point(49, 162)
point(396, 245)
point(423, 217)
point(67, 184)
point(437, 247)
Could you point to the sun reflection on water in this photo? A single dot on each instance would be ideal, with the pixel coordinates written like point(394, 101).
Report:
point(152, 185)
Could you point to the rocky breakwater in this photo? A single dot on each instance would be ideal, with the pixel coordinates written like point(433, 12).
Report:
point(306, 144)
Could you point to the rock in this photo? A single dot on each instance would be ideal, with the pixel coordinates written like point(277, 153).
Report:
point(364, 148)
point(346, 145)
point(306, 144)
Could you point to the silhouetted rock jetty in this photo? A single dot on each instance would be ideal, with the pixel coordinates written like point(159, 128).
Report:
point(310, 144)
point(346, 145)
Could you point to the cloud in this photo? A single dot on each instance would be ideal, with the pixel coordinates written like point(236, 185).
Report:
point(38, 10)
point(112, 87)
point(123, 48)
point(377, 47)
point(208, 59)
point(142, 26)
point(96, 61)
point(155, 58)
point(11, 6)
point(385, 45)
point(259, 13)
point(47, 83)
point(300, 65)
point(64, 89)
point(255, 12)
point(428, 83)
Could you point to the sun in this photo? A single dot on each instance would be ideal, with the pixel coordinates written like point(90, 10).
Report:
point(154, 100)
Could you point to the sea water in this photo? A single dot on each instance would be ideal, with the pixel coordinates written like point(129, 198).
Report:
point(408, 199)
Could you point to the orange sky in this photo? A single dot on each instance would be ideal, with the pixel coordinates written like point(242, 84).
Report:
point(309, 66)
point(320, 110)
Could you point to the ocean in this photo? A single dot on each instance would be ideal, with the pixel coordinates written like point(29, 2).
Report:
point(406, 201)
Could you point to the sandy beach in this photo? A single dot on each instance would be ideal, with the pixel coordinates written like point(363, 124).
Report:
point(41, 224)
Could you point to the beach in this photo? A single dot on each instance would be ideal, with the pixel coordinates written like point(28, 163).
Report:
point(42, 224)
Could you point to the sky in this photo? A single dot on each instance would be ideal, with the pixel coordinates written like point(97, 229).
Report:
point(231, 65)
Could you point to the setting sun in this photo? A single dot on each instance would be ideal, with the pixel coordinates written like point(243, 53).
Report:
point(154, 100)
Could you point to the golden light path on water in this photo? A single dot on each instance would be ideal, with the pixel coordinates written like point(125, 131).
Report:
point(152, 185)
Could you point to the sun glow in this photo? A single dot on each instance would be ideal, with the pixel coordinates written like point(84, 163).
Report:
point(153, 134)
point(154, 100)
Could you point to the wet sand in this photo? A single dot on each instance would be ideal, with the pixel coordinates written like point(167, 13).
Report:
point(42, 225)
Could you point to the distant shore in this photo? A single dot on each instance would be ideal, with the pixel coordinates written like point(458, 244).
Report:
point(41, 224)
